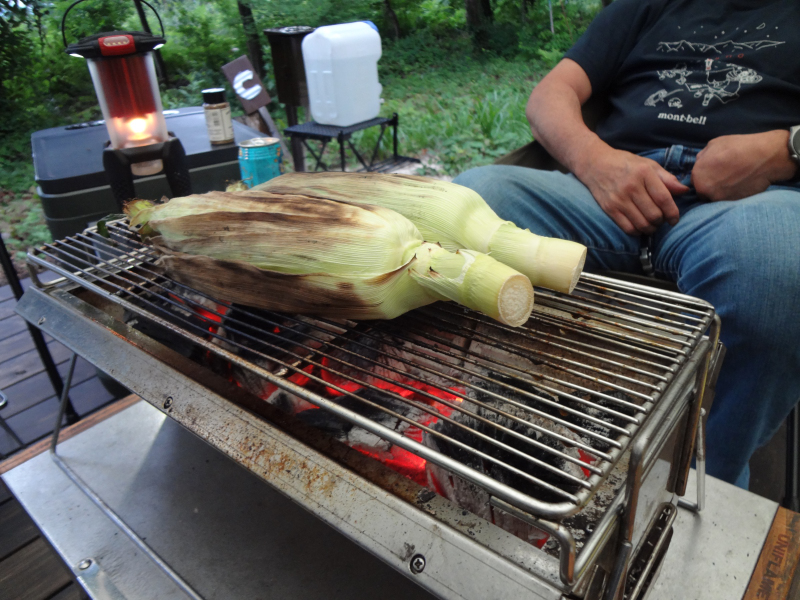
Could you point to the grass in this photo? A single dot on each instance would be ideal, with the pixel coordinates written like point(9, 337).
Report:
point(464, 116)
point(459, 115)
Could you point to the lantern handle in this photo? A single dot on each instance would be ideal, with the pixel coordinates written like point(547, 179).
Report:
point(71, 6)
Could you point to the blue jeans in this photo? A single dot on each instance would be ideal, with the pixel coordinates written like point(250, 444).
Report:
point(741, 256)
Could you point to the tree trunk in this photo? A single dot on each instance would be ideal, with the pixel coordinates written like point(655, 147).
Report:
point(251, 35)
point(479, 17)
point(566, 19)
point(479, 13)
point(486, 6)
point(391, 18)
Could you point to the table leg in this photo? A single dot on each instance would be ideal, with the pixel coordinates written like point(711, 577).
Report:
point(340, 138)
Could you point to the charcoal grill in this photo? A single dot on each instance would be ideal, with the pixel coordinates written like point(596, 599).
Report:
point(580, 425)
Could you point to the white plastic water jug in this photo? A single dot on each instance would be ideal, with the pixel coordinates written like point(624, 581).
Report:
point(341, 64)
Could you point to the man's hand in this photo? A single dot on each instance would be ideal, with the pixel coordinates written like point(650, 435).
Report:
point(732, 167)
point(636, 192)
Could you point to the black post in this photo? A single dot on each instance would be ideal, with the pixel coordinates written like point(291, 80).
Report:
point(298, 158)
point(160, 67)
point(395, 122)
point(38, 338)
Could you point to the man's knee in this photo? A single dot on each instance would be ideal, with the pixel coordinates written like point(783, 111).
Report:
point(761, 239)
point(490, 182)
point(757, 251)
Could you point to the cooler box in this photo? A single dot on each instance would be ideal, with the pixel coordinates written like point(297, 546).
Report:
point(68, 163)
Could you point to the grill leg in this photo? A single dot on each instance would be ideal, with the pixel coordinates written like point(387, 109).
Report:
point(700, 469)
point(4, 425)
point(36, 335)
point(107, 511)
point(791, 499)
point(63, 405)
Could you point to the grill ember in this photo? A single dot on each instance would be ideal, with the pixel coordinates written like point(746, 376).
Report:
point(536, 416)
point(488, 396)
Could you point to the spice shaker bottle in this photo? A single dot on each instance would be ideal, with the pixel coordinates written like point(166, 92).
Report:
point(218, 116)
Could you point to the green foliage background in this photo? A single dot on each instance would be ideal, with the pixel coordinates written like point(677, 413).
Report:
point(460, 98)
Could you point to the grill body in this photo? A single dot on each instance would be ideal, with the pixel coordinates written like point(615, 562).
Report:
point(626, 367)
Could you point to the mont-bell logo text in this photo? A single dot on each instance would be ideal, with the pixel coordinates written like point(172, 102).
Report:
point(683, 118)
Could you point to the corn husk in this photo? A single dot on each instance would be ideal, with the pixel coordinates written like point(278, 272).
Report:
point(291, 253)
point(450, 214)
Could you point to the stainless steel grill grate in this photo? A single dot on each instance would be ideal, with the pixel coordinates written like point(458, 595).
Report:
point(537, 416)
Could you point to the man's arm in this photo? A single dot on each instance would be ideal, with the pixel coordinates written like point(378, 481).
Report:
point(732, 167)
point(635, 192)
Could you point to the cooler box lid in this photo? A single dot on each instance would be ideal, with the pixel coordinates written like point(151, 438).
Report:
point(70, 159)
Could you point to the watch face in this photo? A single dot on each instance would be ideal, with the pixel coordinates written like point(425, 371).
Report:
point(794, 142)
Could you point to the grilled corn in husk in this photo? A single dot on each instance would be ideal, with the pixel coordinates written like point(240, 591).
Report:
point(451, 214)
point(292, 253)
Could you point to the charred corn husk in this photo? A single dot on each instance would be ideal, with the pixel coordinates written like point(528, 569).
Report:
point(314, 256)
point(451, 214)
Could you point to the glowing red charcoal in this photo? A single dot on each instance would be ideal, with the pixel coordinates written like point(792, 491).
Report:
point(334, 379)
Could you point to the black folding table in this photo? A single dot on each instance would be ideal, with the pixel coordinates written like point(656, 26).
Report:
point(325, 133)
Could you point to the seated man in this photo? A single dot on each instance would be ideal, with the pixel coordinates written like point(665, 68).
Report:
point(694, 161)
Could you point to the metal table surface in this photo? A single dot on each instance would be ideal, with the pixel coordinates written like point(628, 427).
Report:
point(230, 535)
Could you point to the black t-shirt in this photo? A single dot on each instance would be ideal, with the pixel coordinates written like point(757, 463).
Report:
point(686, 71)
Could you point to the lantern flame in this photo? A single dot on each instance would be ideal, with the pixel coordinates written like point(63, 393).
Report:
point(137, 131)
point(137, 125)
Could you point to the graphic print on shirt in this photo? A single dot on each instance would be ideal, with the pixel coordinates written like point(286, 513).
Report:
point(711, 78)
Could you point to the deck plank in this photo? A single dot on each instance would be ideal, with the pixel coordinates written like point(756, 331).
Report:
point(33, 573)
point(16, 345)
point(89, 396)
point(72, 592)
point(6, 292)
point(28, 364)
point(5, 493)
point(7, 444)
point(38, 420)
point(7, 308)
point(33, 390)
point(16, 528)
point(18, 342)
point(35, 422)
point(11, 326)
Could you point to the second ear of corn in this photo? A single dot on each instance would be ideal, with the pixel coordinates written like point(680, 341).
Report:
point(453, 215)
point(319, 256)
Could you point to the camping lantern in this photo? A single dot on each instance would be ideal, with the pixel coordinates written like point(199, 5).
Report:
point(124, 77)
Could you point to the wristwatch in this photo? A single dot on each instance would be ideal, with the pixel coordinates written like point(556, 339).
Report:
point(794, 143)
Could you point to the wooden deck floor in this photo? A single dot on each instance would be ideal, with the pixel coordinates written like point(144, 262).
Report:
point(32, 402)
